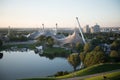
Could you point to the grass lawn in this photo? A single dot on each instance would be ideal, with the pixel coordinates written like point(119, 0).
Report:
point(110, 76)
point(93, 69)
point(55, 50)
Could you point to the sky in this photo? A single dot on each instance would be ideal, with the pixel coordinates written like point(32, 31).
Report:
point(34, 13)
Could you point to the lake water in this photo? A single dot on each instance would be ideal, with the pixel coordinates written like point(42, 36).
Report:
point(17, 65)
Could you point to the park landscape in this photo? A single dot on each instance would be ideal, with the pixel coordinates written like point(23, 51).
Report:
point(89, 61)
point(59, 40)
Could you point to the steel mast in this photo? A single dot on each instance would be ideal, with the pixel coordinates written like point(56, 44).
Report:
point(80, 29)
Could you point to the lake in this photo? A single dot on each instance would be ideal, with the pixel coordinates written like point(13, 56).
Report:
point(19, 65)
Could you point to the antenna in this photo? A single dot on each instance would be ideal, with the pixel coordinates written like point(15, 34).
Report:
point(8, 31)
point(80, 29)
point(43, 27)
point(56, 27)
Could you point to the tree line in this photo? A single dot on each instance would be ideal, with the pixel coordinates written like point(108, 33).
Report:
point(90, 56)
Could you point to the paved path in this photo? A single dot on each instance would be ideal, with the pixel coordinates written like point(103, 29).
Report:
point(92, 75)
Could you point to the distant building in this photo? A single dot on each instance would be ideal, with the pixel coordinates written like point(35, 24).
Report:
point(95, 28)
point(92, 29)
point(86, 29)
point(110, 29)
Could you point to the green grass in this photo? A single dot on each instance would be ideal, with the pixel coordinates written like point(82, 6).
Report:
point(110, 76)
point(56, 50)
point(93, 69)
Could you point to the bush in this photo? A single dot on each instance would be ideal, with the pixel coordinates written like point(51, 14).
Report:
point(61, 73)
point(114, 54)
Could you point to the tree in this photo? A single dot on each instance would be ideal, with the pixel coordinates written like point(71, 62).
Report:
point(115, 45)
point(1, 55)
point(1, 43)
point(82, 56)
point(97, 48)
point(95, 42)
point(50, 41)
point(22, 38)
point(74, 60)
point(114, 54)
point(79, 47)
point(87, 47)
point(94, 57)
point(41, 40)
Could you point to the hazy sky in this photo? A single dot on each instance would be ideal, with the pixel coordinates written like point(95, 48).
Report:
point(32, 13)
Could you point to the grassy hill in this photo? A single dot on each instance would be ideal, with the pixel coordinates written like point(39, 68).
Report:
point(110, 76)
point(93, 70)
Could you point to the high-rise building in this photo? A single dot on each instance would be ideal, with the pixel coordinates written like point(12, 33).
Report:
point(86, 29)
point(95, 28)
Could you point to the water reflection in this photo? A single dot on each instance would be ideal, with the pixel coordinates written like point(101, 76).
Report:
point(19, 65)
point(53, 55)
point(1, 55)
point(16, 49)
